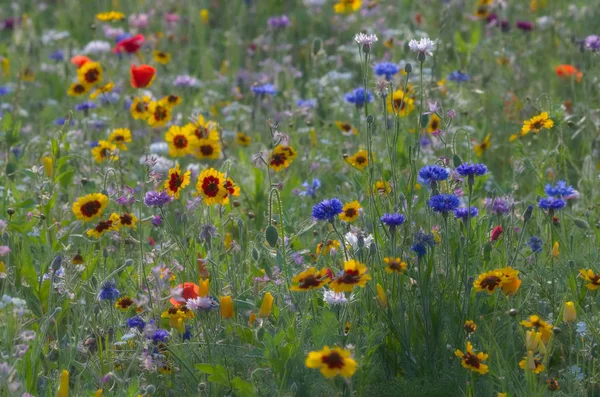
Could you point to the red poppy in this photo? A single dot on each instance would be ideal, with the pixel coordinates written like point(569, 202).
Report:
point(496, 233)
point(566, 71)
point(141, 76)
point(189, 291)
point(80, 60)
point(130, 44)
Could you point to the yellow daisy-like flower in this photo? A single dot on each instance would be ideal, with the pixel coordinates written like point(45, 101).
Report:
point(101, 228)
point(110, 16)
point(177, 181)
point(332, 362)
point(177, 315)
point(124, 303)
point(483, 146)
point(27, 75)
point(536, 123)
point(309, 279)
point(89, 207)
point(203, 129)
point(542, 326)
point(329, 245)
point(280, 158)
point(350, 211)
point(510, 280)
point(232, 189)
point(78, 89)
point(434, 123)
point(472, 361)
point(181, 141)
point(90, 73)
point(207, 149)
point(161, 57)
point(211, 186)
point(532, 363)
point(124, 220)
point(103, 151)
point(347, 129)
point(592, 279)
point(470, 327)
point(347, 6)
point(104, 89)
point(354, 275)
point(139, 108)
point(171, 100)
point(394, 265)
point(400, 103)
point(243, 139)
point(488, 281)
point(382, 188)
point(359, 159)
point(120, 137)
point(159, 113)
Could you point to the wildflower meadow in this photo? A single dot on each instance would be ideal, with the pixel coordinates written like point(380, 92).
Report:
point(299, 198)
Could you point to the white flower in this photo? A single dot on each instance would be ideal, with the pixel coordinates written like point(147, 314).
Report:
point(365, 39)
point(159, 148)
point(425, 45)
point(199, 303)
point(333, 298)
point(96, 47)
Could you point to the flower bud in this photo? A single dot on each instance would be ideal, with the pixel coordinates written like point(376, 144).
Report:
point(569, 314)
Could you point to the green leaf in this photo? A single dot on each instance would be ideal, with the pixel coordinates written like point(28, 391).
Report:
point(272, 236)
point(66, 178)
point(218, 373)
point(242, 387)
point(456, 160)
point(6, 122)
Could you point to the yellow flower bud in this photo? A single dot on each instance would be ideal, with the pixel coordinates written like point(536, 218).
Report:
point(381, 296)
point(226, 307)
point(63, 388)
point(569, 315)
point(265, 307)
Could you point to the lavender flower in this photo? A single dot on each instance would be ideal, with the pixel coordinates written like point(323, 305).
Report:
point(157, 199)
point(109, 291)
point(264, 89)
point(525, 26)
point(279, 22)
point(592, 43)
point(463, 213)
point(186, 81)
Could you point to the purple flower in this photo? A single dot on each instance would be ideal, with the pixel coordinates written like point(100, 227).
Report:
point(85, 106)
point(499, 205)
point(186, 81)
point(470, 169)
point(525, 26)
point(127, 198)
point(156, 220)
point(359, 97)
point(57, 56)
point(109, 291)
point(157, 199)
point(592, 43)
point(463, 213)
point(393, 220)
point(458, 77)
point(386, 69)
point(160, 335)
point(551, 203)
point(327, 210)
point(279, 22)
point(443, 203)
point(136, 322)
point(264, 89)
point(432, 173)
point(559, 190)
point(4, 250)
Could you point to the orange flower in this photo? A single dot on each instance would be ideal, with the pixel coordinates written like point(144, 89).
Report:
point(568, 71)
point(189, 291)
point(142, 76)
point(80, 60)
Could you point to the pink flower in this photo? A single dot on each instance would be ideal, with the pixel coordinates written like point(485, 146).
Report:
point(4, 250)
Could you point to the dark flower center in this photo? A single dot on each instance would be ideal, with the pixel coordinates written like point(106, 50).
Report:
point(490, 282)
point(350, 212)
point(395, 265)
point(206, 150)
point(471, 360)
point(346, 127)
point(537, 125)
point(126, 219)
point(309, 281)
point(160, 113)
point(91, 75)
point(103, 226)
point(175, 182)
point(90, 208)
point(201, 132)
point(350, 277)
point(399, 104)
point(125, 302)
point(79, 89)
point(333, 360)
point(210, 186)
point(180, 142)
point(361, 160)
point(278, 159)
point(434, 124)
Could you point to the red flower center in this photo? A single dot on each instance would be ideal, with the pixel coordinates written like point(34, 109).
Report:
point(309, 281)
point(210, 186)
point(91, 76)
point(103, 226)
point(180, 142)
point(126, 219)
point(471, 360)
point(175, 182)
point(490, 282)
point(333, 360)
point(160, 113)
point(350, 212)
point(350, 277)
point(90, 208)
point(278, 159)
point(206, 150)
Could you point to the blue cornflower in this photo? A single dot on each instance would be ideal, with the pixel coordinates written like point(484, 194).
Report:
point(61, 121)
point(187, 335)
point(136, 322)
point(470, 169)
point(85, 106)
point(109, 291)
point(444, 203)
point(393, 220)
point(306, 103)
point(264, 89)
point(432, 173)
point(5, 90)
point(560, 190)
point(92, 144)
point(581, 328)
point(387, 69)
point(57, 56)
point(311, 189)
point(535, 243)
point(459, 77)
point(160, 335)
point(359, 97)
point(499, 205)
point(463, 213)
point(551, 203)
point(327, 210)
point(420, 243)
point(157, 199)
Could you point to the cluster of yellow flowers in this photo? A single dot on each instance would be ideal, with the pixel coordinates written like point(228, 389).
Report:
point(505, 278)
point(200, 138)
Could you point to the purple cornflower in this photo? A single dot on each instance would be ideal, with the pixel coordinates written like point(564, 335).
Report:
point(186, 81)
point(592, 43)
point(136, 322)
point(393, 220)
point(463, 213)
point(359, 97)
point(443, 203)
point(458, 77)
point(57, 56)
point(535, 243)
point(264, 89)
point(279, 22)
point(127, 198)
point(420, 243)
point(499, 205)
point(431, 174)
point(525, 26)
point(85, 106)
point(306, 103)
point(559, 190)
point(156, 220)
point(327, 210)
point(470, 169)
point(157, 199)
point(108, 291)
point(160, 335)
point(551, 203)
point(310, 189)
point(386, 69)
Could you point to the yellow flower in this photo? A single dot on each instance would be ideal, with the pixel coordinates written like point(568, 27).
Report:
point(383, 188)
point(228, 241)
point(124, 303)
point(381, 296)
point(281, 157)
point(569, 315)
point(27, 75)
point(90, 73)
point(103, 151)
point(139, 108)
point(120, 137)
point(104, 89)
point(472, 361)
point(542, 326)
point(226, 306)
point(48, 165)
point(533, 341)
point(211, 186)
point(203, 287)
point(531, 363)
point(98, 393)
point(177, 181)
point(536, 123)
point(354, 275)
point(78, 89)
point(171, 100)
point(203, 129)
point(555, 251)
point(436, 236)
point(161, 57)
point(125, 220)
point(89, 207)
point(110, 16)
point(434, 123)
point(159, 113)
point(330, 245)
point(207, 149)
point(204, 15)
point(400, 103)
point(266, 305)
point(359, 159)
point(488, 281)
point(346, 128)
point(232, 189)
point(332, 362)
point(5, 65)
point(394, 265)
point(243, 139)
point(483, 146)
point(309, 279)
point(63, 386)
point(350, 211)
point(177, 315)
point(181, 141)
point(101, 228)
point(470, 327)
point(592, 279)
point(510, 280)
